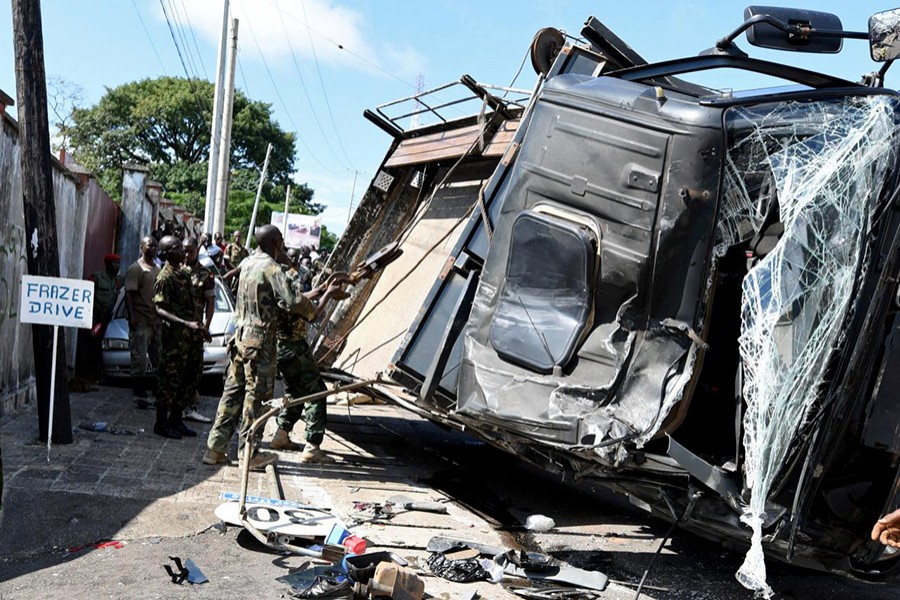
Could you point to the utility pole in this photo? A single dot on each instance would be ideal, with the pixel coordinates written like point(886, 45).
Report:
point(40, 209)
point(224, 171)
point(262, 180)
point(212, 171)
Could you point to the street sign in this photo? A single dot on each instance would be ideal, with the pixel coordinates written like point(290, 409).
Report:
point(56, 301)
point(292, 521)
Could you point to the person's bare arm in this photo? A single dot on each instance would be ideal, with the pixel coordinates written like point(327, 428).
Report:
point(171, 318)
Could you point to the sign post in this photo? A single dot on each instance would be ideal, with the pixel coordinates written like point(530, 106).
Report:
point(58, 302)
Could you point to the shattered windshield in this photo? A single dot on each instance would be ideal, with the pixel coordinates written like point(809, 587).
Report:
point(803, 188)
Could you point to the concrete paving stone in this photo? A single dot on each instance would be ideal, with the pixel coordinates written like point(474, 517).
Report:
point(73, 487)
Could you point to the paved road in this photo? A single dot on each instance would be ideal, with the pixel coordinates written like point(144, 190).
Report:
point(156, 497)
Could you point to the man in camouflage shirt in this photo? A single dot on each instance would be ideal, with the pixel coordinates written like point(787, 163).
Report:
point(235, 252)
point(264, 290)
point(300, 373)
point(180, 332)
point(203, 286)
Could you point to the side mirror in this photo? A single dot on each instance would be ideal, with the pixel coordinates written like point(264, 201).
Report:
point(802, 29)
point(884, 35)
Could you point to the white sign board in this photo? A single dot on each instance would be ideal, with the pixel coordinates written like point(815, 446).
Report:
point(57, 301)
point(302, 230)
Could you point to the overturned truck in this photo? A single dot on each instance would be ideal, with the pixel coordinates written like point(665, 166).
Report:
point(690, 294)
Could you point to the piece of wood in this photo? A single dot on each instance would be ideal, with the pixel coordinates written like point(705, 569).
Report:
point(40, 209)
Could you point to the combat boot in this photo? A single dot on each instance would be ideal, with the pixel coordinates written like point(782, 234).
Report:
point(161, 427)
point(214, 458)
point(282, 441)
point(314, 454)
point(176, 424)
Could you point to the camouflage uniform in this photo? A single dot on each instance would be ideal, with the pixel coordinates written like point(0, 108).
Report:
point(177, 364)
point(203, 286)
point(264, 291)
point(235, 253)
point(299, 371)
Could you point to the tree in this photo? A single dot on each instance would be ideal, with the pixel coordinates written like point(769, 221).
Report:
point(63, 98)
point(164, 123)
point(240, 204)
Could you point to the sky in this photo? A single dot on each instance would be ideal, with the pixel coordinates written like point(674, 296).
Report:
point(320, 63)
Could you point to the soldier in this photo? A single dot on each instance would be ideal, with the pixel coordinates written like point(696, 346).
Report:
point(236, 252)
point(203, 286)
point(107, 284)
point(264, 290)
point(143, 324)
point(300, 373)
point(181, 330)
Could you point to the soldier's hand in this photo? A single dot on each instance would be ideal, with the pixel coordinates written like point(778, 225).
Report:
point(338, 277)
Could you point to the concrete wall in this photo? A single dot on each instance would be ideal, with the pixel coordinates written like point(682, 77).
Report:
point(138, 213)
point(16, 358)
point(17, 374)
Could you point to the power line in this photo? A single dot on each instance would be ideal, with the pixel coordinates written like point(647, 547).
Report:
point(344, 48)
point(312, 47)
point(149, 37)
point(194, 92)
point(179, 28)
point(306, 91)
point(194, 38)
point(283, 103)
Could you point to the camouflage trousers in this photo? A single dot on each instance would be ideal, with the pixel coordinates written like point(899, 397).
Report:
point(301, 377)
point(180, 360)
point(249, 382)
point(143, 343)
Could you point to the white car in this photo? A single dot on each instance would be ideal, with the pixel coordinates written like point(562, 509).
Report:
point(116, 357)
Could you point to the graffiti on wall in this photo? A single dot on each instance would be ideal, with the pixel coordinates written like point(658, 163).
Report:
point(12, 252)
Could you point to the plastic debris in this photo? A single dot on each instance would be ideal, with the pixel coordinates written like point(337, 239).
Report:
point(539, 523)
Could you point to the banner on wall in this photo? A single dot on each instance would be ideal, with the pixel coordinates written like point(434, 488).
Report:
point(302, 230)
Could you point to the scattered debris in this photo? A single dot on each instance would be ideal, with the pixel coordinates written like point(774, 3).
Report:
point(361, 568)
point(332, 588)
point(100, 545)
point(539, 523)
point(186, 571)
point(103, 427)
point(408, 504)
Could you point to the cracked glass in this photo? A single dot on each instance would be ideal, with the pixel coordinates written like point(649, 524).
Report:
point(803, 187)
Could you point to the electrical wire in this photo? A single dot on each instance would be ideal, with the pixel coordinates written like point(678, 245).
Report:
point(184, 65)
point(149, 37)
point(312, 47)
point(306, 91)
point(194, 38)
point(179, 28)
point(343, 47)
point(284, 104)
point(694, 497)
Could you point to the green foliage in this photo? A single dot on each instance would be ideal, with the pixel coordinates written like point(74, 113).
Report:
point(327, 240)
point(240, 205)
point(164, 123)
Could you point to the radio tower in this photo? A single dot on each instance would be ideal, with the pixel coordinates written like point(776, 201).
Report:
point(420, 87)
